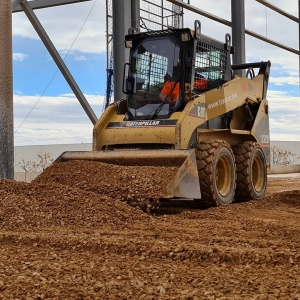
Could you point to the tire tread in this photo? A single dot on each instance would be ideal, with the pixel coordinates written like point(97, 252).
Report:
point(243, 152)
point(205, 155)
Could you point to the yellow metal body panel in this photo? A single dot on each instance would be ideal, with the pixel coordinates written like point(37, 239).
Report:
point(105, 135)
point(207, 106)
point(214, 103)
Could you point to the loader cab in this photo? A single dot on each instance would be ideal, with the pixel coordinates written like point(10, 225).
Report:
point(155, 76)
point(168, 68)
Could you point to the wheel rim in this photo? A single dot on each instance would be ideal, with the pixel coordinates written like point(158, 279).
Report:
point(223, 176)
point(258, 173)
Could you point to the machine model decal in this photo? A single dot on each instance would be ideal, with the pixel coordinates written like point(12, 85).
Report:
point(265, 139)
point(198, 111)
point(150, 123)
point(222, 101)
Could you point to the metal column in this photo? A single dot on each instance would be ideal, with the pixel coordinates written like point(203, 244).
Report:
point(121, 24)
point(6, 92)
point(135, 14)
point(238, 33)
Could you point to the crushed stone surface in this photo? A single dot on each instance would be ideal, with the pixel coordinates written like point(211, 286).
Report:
point(70, 235)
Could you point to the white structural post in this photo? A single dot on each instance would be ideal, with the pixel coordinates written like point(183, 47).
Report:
point(6, 92)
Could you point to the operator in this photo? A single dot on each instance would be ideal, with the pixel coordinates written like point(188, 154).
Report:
point(170, 91)
point(200, 82)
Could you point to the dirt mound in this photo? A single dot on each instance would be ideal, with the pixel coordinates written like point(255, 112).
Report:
point(284, 198)
point(11, 186)
point(52, 204)
point(134, 184)
point(82, 193)
point(290, 198)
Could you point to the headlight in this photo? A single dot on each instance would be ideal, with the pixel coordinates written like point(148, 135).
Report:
point(185, 37)
point(128, 44)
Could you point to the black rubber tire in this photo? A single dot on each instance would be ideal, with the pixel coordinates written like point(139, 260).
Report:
point(217, 173)
point(251, 169)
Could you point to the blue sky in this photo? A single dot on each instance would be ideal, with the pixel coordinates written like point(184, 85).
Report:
point(58, 116)
point(83, 66)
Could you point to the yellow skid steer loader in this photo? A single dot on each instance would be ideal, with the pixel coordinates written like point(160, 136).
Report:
point(184, 108)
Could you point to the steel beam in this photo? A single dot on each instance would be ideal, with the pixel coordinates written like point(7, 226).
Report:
point(200, 12)
point(228, 23)
point(38, 4)
point(6, 93)
point(58, 60)
point(262, 38)
point(121, 24)
point(278, 10)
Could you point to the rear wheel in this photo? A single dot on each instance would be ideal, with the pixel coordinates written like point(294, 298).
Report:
point(251, 168)
point(217, 175)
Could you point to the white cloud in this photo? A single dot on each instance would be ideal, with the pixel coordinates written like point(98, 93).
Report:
point(54, 120)
point(57, 133)
point(64, 23)
point(18, 92)
point(285, 80)
point(80, 57)
point(57, 101)
point(284, 116)
point(19, 56)
point(277, 94)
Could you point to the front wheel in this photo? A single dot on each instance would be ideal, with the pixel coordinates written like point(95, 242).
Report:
point(251, 171)
point(217, 174)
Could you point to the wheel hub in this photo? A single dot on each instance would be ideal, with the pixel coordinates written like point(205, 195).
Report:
point(223, 178)
point(258, 174)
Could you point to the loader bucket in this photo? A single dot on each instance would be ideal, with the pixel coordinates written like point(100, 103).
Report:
point(185, 183)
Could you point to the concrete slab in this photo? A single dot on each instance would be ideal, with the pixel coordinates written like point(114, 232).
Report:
point(290, 175)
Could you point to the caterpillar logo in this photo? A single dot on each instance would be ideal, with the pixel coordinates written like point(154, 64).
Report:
point(147, 123)
point(198, 111)
point(142, 123)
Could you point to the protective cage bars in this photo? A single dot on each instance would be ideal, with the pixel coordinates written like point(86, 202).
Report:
point(210, 67)
point(160, 15)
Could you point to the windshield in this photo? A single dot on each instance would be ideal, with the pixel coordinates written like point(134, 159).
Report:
point(156, 68)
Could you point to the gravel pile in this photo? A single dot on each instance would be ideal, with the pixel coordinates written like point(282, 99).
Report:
point(138, 185)
point(52, 204)
point(83, 193)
